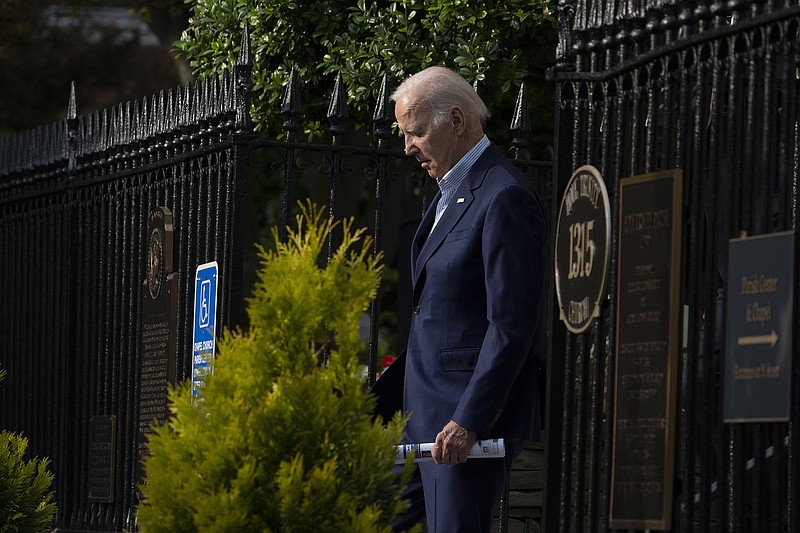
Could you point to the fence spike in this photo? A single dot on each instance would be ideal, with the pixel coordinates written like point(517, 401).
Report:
point(381, 117)
point(87, 140)
point(146, 131)
point(186, 105)
point(136, 122)
point(197, 102)
point(103, 139)
point(337, 110)
point(290, 108)
point(226, 99)
point(245, 57)
point(200, 100)
point(128, 130)
point(213, 101)
point(520, 125)
point(204, 96)
point(83, 134)
point(160, 114)
point(244, 83)
point(113, 131)
point(72, 108)
point(53, 147)
point(69, 146)
point(179, 118)
point(170, 111)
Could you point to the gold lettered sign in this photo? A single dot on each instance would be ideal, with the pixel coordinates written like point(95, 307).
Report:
point(758, 359)
point(647, 351)
point(582, 239)
point(158, 344)
point(102, 451)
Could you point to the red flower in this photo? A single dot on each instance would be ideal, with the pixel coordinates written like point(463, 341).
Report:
point(384, 363)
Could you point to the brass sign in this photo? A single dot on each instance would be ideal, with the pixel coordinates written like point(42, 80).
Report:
point(102, 450)
point(760, 311)
point(647, 350)
point(157, 366)
point(582, 239)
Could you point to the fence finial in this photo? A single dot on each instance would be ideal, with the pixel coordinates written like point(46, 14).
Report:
point(337, 110)
point(381, 117)
point(72, 129)
point(566, 17)
point(244, 83)
point(520, 125)
point(72, 108)
point(290, 107)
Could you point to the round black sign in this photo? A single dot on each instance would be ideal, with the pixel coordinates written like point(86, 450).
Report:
point(155, 263)
point(582, 246)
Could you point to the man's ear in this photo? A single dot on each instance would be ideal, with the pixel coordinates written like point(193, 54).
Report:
point(457, 119)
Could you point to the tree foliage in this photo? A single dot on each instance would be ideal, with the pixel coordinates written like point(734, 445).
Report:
point(26, 501)
point(497, 45)
point(281, 436)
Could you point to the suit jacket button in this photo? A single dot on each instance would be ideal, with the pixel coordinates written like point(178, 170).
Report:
point(416, 310)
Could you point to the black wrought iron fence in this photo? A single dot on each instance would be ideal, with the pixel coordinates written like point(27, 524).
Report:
point(710, 88)
point(75, 200)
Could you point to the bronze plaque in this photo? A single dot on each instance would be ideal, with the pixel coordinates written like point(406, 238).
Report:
point(102, 449)
point(647, 350)
point(582, 239)
point(158, 340)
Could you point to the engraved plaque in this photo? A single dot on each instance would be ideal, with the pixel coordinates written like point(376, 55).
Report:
point(102, 448)
point(647, 351)
point(582, 238)
point(158, 341)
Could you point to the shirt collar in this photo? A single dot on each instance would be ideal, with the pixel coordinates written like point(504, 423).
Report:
point(453, 177)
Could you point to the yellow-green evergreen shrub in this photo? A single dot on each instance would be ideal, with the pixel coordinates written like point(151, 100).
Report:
point(281, 437)
point(26, 501)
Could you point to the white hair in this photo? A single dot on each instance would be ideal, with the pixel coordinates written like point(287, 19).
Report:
point(440, 89)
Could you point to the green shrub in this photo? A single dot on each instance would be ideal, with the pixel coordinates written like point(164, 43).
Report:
point(281, 437)
point(26, 501)
point(498, 45)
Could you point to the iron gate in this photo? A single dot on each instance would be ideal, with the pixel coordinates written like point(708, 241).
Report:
point(710, 88)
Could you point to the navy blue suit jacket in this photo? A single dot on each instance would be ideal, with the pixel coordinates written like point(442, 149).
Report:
point(478, 283)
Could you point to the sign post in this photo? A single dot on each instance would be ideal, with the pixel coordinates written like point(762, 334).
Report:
point(205, 322)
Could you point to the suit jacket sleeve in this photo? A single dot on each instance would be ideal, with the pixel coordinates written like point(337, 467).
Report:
point(513, 250)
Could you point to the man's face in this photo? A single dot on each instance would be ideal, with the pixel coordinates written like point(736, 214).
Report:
point(435, 147)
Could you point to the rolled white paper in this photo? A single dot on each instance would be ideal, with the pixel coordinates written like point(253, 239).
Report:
point(488, 448)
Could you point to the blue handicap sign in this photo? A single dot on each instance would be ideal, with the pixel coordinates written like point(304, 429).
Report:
point(205, 321)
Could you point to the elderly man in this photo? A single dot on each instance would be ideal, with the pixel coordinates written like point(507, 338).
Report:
point(473, 366)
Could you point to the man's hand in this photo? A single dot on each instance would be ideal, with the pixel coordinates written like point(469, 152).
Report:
point(453, 443)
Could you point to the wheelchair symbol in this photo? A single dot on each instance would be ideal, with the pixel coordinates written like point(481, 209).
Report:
point(204, 314)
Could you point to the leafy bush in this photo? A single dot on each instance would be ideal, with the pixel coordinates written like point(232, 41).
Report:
point(497, 44)
point(281, 436)
point(26, 501)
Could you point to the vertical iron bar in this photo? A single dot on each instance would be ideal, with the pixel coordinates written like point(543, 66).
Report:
point(381, 120)
point(337, 114)
point(290, 111)
point(566, 511)
point(556, 384)
point(579, 417)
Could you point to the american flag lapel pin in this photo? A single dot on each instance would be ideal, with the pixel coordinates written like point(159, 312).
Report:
point(460, 201)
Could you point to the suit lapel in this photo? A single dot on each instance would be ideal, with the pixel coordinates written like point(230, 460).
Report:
point(462, 199)
point(423, 230)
